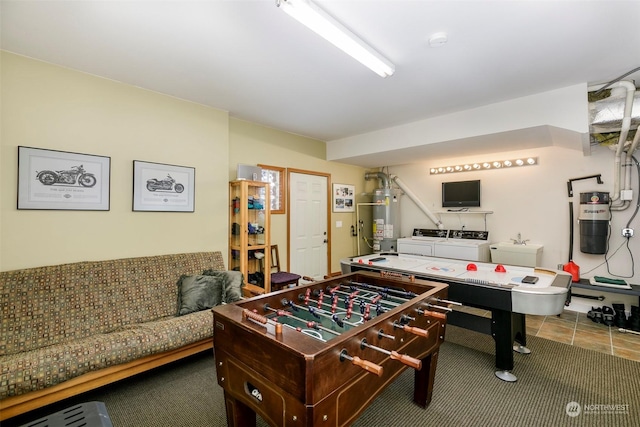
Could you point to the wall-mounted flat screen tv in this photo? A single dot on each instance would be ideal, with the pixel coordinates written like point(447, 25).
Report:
point(461, 194)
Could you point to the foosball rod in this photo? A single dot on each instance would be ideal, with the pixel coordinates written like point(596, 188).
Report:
point(364, 364)
point(381, 299)
point(358, 293)
point(381, 335)
point(320, 303)
point(441, 307)
point(309, 323)
point(333, 316)
point(446, 301)
point(404, 294)
point(402, 358)
point(317, 311)
point(384, 305)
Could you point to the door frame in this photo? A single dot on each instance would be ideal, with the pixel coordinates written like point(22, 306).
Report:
point(328, 225)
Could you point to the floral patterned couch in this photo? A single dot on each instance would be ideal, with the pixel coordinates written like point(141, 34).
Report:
point(69, 328)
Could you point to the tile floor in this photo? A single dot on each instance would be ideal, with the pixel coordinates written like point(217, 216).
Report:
point(577, 329)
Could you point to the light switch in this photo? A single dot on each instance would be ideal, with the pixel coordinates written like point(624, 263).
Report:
point(338, 224)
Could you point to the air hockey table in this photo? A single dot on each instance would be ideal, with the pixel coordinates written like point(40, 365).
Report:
point(494, 287)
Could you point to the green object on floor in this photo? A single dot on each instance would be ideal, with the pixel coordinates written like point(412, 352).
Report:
point(601, 279)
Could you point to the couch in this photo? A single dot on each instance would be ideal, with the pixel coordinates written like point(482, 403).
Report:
point(69, 328)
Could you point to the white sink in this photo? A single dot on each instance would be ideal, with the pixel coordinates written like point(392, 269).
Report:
point(528, 255)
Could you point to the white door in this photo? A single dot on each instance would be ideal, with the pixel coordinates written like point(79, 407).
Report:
point(308, 238)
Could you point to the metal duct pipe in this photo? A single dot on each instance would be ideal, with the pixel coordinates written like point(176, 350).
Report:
point(620, 174)
point(380, 175)
point(417, 201)
point(605, 115)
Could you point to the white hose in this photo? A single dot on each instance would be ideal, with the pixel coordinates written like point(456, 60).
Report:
point(417, 201)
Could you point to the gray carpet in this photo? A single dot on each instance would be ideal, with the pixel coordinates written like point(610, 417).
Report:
point(466, 392)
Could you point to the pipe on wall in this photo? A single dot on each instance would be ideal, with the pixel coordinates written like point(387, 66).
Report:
point(384, 179)
point(417, 201)
point(622, 175)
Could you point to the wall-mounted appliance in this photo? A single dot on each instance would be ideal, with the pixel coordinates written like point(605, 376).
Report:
point(461, 194)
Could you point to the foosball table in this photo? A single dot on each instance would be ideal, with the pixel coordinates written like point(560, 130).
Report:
point(319, 354)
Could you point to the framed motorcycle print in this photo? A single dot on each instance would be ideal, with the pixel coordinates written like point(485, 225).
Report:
point(163, 188)
point(60, 180)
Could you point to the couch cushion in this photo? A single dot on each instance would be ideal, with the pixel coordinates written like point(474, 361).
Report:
point(41, 368)
point(196, 293)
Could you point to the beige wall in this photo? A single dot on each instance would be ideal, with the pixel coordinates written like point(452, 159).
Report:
point(45, 106)
point(254, 144)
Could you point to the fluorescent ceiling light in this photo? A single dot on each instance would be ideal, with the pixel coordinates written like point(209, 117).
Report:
point(324, 25)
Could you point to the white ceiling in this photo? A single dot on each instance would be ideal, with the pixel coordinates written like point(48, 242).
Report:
point(251, 59)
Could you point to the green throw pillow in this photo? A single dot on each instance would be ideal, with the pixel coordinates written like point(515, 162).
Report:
point(233, 282)
point(233, 286)
point(196, 293)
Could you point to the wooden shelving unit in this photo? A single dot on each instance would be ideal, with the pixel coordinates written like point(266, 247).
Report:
point(249, 234)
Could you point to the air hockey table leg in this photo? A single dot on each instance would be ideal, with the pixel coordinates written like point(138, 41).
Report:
point(507, 328)
point(521, 349)
point(520, 329)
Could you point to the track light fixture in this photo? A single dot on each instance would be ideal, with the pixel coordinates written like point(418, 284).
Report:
point(497, 164)
point(326, 26)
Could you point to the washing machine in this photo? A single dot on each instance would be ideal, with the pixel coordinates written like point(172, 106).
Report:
point(455, 244)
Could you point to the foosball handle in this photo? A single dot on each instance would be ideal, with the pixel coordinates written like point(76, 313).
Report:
point(277, 327)
point(407, 360)
point(416, 331)
point(255, 316)
point(367, 366)
point(435, 314)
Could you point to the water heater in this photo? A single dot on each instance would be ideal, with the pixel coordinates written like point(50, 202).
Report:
point(594, 222)
point(386, 219)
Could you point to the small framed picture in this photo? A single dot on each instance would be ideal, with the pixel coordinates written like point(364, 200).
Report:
point(163, 188)
point(343, 198)
point(60, 180)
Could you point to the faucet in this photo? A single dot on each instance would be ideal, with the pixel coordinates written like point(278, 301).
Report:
point(519, 241)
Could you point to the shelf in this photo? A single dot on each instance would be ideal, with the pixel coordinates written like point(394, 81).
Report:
point(585, 284)
point(485, 213)
point(465, 212)
point(249, 234)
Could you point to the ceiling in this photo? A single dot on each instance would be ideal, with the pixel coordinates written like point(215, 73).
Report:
point(251, 59)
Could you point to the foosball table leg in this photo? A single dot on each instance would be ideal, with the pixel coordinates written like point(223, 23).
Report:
point(423, 380)
point(238, 414)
